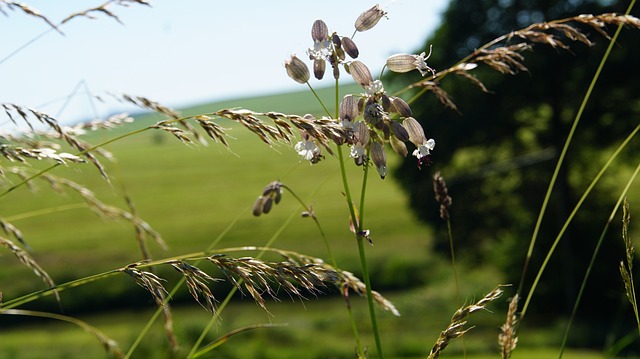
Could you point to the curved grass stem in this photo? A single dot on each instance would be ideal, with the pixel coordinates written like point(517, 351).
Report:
point(556, 171)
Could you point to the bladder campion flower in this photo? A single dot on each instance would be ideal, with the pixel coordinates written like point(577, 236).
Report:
point(308, 149)
point(369, 18)
point(423, 152)
point(297, 69)
point(408, 62)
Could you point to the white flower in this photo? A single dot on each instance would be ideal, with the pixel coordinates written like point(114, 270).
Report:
point(374, 88)
point(321, 50)
point(308, 150)
point(425, 149)
point(357, 151)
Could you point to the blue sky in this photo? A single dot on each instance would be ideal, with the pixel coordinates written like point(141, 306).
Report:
point(185, 52)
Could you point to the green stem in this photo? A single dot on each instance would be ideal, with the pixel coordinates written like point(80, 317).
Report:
point(593, 259)
point(556, 171)
point(568, 221)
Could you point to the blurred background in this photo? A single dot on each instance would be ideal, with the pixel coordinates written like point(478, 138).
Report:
point(497, 152)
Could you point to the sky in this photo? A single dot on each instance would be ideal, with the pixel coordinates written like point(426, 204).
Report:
point(183, 53)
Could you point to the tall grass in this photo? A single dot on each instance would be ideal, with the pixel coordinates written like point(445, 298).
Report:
point(360, 130)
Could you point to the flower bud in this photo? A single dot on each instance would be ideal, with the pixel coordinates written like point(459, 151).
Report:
point(319, 66)
point(257, 206)
point(350, 47)
point(416, 133)
point(402, 107)
point(362, 133)
point(369, 18)
point(398, 146)
point(399, 131)
point(336, 40)
point(360, 73)
point(379, 158)
point(268, 203)
point(319, 31)
point(297, 69)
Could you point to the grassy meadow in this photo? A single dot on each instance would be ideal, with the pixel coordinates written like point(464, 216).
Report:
point(192, 194)
point(84, 231)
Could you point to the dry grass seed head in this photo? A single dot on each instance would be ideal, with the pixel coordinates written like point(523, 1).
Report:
point(30, 263)
point(507, 338)
point(196, 279)
point(149, 281)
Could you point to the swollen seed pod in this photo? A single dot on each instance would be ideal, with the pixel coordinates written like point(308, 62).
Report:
point(416, 133)
point(401, 63)
point(379, 158)
point(360, 73)
point(268, 203)
point(369, 18)
point(362, 133)
point(402, 107)
point(398, 146)
point(319, 31)
point(319, 66)
point(399, 131)
point(348, 108)
point(257, 206)
point(297, 69)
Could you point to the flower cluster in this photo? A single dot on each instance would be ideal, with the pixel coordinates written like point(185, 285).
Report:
point(371, 119)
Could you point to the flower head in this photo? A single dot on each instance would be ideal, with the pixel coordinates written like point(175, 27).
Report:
point(423, 152)
point(409, 62)
point(369, 18)
point(308, 149)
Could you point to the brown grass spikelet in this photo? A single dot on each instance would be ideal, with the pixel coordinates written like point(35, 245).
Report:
point(458, 321)
point(147, 280)
point(27, 10)
point(30, 263)
point(196, 282)
point(507, 338)
point(88, 13)
point(442, 195)
point(10, 229)
point(626, 266)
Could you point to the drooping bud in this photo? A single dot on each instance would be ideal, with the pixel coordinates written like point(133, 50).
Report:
point(319, 66)
point(360, 73)
point(398, 146)
point(402, 107)
point(257, 206)
point(297, 69)
point(399, 131)
point(336, 40)
point(386, 102)
point(348, 108)
point(379, 158)
point(319, 31)
point(350, 47)
point(362, 133)
point(416, 133)
point(369, 18)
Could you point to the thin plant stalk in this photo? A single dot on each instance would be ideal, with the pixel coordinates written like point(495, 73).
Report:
point(573, 213)
point(593, 259)
point(556, 171)
point(178, 285)
point(216, 315)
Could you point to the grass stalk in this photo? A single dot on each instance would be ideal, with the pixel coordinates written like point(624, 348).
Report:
point(561, 158)
point(593, 259)
point(571, 215)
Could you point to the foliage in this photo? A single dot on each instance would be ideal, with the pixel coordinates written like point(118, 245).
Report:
point(498, 150)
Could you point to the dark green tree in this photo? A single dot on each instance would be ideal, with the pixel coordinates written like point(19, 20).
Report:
point(498, 149)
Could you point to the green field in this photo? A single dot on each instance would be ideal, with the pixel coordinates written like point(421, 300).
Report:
point(192, 194)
